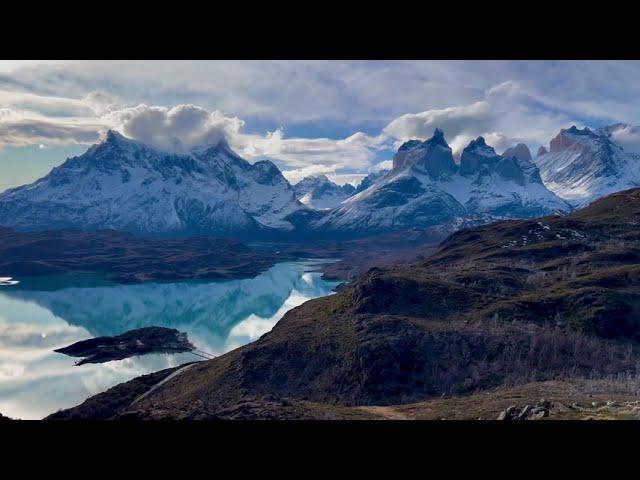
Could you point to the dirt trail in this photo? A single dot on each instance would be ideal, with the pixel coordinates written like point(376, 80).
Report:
point(387, 413)
point(159, 384)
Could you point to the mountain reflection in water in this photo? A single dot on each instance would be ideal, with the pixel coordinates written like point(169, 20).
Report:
point(38, 316)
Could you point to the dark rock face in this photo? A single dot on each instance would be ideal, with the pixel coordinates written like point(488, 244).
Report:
point(370, 180)
point(397, 192)
point(541, 151)
point(520, 151)
point(566, 140)
point(266, 173)
point(433, 155)
point(478, 158)
point(509, 168)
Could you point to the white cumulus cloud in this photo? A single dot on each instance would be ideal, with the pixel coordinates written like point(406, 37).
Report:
point(179, 129)
point(628, 137)
point(508, 114)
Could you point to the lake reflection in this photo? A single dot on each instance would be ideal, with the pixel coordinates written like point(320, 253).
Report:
point(37, 316)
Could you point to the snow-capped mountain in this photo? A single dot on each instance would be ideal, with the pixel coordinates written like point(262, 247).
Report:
point(125, 185)
point(426, 188)
point(502, 186)
point(583, 165)
point(320, 193)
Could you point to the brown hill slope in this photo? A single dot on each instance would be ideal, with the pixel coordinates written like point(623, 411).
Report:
point(502, 304)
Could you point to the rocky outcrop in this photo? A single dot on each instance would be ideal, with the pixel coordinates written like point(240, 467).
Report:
point(478, 158)
point(433, 156)
point(541, 151)
point(569, 139)
point(528, 412)
point(320, 193)
point(520, 151)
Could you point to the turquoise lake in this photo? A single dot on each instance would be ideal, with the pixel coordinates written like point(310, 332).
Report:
point(39, 315)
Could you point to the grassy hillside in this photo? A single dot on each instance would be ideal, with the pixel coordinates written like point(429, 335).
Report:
point(494, 307)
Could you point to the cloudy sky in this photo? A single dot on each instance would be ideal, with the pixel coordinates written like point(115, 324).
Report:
point(341, 118)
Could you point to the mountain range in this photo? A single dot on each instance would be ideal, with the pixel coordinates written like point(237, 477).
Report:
point(426, 187)
point(122, 184)
point(125, 185)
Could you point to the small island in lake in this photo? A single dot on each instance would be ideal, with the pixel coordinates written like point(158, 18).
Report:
point(129, 344)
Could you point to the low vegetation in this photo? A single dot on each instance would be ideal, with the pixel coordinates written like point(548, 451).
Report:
point(550, 301)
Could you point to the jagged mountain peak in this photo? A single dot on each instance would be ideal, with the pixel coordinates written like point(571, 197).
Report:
point(573, 130)
point(112, 136)
point(579, 140)
point(478, 143)
point(219, 146)
point(481, 160)
point(265, 172)
point(521, 151)
point(434, 156)
point(112, 139)
point(409, 145)
point(584, 164)
point(542, 151)
point(438, 138)
point(314, 180)
point(371, 179)
point(319, 192)
point(478, 158)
